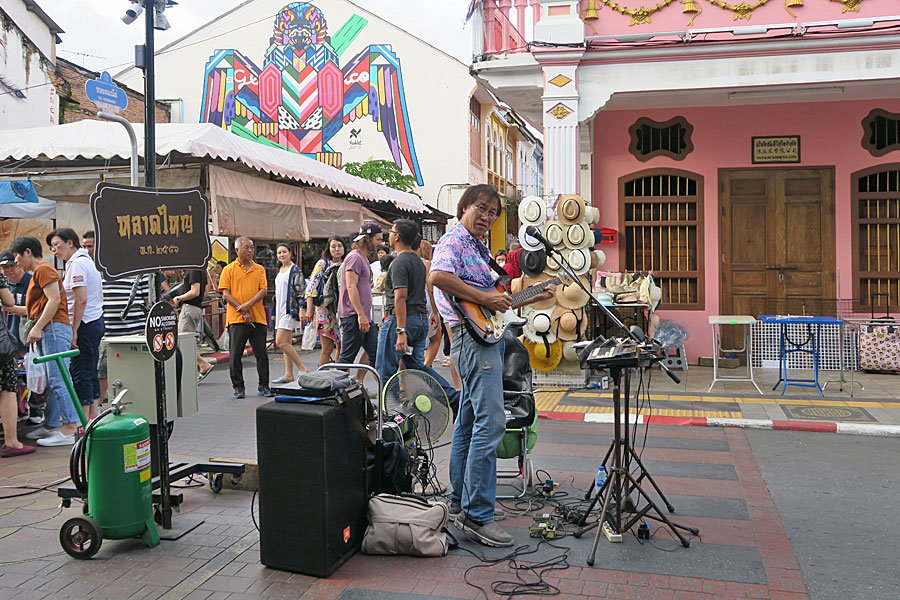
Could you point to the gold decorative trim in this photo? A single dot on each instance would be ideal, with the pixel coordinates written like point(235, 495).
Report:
point(560, 80)
point(639, 15)
point(560, 111)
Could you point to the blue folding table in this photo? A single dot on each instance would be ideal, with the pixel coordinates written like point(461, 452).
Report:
point(808, 346)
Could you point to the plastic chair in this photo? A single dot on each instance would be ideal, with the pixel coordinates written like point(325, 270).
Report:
point(521, 417)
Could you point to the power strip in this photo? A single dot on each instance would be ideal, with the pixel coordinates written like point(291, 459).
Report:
point(610, 533)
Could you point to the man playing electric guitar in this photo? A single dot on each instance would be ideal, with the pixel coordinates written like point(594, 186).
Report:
point(459, 267)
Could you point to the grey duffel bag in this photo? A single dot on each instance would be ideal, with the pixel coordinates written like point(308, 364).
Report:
point(407, 525)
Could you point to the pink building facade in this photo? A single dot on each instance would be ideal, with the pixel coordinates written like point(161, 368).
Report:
point(750, 159)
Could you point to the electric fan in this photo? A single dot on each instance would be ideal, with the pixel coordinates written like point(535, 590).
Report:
point(415, 401)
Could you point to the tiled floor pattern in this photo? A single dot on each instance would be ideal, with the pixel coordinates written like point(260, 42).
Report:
point(709, 474)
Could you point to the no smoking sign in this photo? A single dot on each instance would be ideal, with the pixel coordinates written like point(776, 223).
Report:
point(162, 325)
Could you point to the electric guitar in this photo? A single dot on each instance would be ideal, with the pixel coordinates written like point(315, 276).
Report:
point(488, 326)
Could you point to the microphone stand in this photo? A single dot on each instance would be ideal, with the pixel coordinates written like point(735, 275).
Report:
point(615, 493)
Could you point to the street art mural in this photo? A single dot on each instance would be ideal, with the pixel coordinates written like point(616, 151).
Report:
point(301, 97)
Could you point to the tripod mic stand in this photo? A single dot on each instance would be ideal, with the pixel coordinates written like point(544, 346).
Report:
point(620, 483)
point(616, 491)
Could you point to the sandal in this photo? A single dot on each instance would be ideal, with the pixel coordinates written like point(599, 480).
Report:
point(204, 374)
point(282, 380)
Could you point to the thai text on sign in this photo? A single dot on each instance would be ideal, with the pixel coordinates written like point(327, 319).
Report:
point(158, 224)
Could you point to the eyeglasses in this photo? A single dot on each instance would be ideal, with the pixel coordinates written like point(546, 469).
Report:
point(491, 214)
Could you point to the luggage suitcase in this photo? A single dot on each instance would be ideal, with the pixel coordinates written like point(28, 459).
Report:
point(878, 345)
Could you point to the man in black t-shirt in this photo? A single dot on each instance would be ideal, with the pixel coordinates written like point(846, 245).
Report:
point(405, 330)
point(191, 303)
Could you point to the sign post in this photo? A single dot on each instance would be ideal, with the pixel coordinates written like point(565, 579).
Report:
point(144, 230)
point(110, 99)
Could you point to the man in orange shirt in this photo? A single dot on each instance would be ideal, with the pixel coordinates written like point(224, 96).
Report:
point(243, 286)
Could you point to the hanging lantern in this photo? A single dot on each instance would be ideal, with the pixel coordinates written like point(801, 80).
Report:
point(692, 8)
point(590, 13)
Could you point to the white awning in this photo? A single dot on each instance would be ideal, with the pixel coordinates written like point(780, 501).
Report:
point(104, 140)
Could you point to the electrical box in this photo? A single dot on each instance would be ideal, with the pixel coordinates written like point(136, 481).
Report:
point(130, 366)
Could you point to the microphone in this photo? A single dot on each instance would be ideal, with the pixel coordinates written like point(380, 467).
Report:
point(536, 234)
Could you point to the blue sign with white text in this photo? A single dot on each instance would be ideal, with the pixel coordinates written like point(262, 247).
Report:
point(106, 94)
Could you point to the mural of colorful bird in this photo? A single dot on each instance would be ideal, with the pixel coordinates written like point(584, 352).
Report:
point(301, 98)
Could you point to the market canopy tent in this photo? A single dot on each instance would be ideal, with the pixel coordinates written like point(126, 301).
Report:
point(18, 200)
point(101, 140)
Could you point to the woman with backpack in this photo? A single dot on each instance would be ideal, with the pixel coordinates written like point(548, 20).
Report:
point(290, 310)
point(326, 322)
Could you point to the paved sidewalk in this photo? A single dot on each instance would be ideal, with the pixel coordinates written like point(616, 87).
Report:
point(710, 475)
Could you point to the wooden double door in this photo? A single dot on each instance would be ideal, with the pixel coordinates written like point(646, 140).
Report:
point(776, 238)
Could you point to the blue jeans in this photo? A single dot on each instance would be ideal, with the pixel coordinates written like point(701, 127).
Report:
point(387, 361)
point(84, 366)
point(353, 338)
point(60, 410)
point(480, 426)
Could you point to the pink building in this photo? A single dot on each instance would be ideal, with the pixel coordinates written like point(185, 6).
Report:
point(745, 153)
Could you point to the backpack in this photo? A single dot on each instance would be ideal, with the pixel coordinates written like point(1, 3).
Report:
point(331, 288)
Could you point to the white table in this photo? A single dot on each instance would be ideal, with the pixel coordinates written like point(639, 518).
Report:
point(717, 321)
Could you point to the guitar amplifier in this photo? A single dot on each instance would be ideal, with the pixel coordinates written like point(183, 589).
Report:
point(312, 491)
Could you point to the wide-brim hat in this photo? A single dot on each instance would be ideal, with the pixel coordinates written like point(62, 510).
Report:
point(539, 357)
point(569, 323)
point(516, 285)
point(538, 325)
point(578, 236)
point(552, 267)
point(579, 260)
point(569, 352)
point(529, 281)
point(655, 296)
point(592, 215)
point(533, 262)
point(571, 209)
point(555, 233)
point(598, 258)
point(532, 210)
point(528, 242)
point(571, 295)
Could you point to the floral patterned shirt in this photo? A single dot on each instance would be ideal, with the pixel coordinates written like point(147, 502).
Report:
point(459, 253)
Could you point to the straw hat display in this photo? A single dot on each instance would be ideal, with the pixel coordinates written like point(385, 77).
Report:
point(571, 209)
point(655, 295)
point(538, 326)
point(541, 304)
point(528, 242)
point(579, 260)
point(578, 235)
point(569, 324)
point(532, 262)
point(571, 295)
point(515, 285)
point(532, 211)
point(554, 233)
point(592, 215)
point(543, 357)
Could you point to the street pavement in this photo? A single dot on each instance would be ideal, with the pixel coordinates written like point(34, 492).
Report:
point(782, 514)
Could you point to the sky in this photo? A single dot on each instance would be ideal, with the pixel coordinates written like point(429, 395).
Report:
point(97, 39)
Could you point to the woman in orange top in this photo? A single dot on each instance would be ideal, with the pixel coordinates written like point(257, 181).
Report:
point(45, 302)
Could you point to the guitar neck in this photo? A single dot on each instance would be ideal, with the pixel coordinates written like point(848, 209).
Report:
point(520, 298)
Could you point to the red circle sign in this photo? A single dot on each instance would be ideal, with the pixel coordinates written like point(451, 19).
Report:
point(162, 326)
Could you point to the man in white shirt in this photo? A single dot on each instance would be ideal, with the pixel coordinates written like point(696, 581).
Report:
point(84, 294)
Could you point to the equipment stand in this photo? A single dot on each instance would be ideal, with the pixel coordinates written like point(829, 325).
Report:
point(620, 482)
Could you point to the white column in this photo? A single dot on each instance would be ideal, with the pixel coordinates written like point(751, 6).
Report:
point(560, 24)
point(561, 140)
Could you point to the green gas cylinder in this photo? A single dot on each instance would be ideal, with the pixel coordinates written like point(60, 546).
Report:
point(120, 493)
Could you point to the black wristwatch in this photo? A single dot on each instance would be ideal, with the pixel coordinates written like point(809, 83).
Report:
point(401, 330)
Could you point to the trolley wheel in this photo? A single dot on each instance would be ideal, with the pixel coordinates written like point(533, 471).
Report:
point(80, 537)
point(216, 482)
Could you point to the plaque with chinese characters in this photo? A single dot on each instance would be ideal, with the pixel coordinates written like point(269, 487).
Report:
point(143, 230)
point(776, 149)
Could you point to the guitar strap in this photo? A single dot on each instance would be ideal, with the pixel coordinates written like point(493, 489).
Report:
point(503, 275)
point(504, 280)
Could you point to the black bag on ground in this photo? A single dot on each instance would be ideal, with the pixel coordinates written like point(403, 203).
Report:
point(396, 469)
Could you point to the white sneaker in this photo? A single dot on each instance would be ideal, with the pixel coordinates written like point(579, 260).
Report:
point(57, 439)
point(38, 433)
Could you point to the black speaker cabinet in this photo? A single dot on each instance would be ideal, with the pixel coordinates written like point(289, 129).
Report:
point(312, 496)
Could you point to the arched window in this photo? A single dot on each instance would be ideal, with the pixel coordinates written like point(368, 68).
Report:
point(876, 238)
point(661, 220)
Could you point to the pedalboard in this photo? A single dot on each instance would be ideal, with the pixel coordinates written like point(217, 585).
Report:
point(544, 526)
point(643, 531)
point(549, 488)
point(611, 534)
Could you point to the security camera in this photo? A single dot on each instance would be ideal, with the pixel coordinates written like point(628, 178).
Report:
point(132, 13)
point(160, 21)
